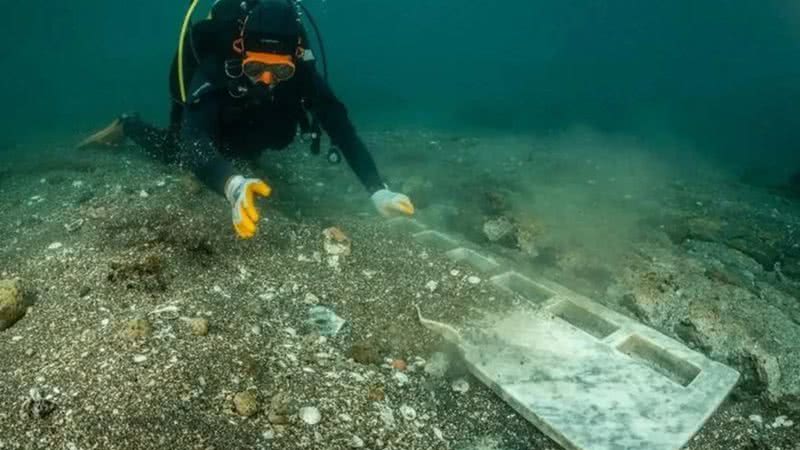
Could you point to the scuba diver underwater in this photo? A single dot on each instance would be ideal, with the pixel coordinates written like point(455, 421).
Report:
point(244, 80)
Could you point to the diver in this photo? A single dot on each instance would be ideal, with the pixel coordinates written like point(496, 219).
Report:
point(243, 81)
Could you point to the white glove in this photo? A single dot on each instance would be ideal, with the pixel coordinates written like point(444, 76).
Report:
point(241, 193)
point(390, 203)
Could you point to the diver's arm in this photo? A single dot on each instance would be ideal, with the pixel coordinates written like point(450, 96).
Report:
point(198, 151)
point(333, 117)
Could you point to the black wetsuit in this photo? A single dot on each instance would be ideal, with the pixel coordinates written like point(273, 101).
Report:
point(214, 126)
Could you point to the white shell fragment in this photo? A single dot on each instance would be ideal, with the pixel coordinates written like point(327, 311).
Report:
point(408, 412)
point(310, 415)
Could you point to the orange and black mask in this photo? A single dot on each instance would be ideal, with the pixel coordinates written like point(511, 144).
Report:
point(267, 58)
point(268, 68)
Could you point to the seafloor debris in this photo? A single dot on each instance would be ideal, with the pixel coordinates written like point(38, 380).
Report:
point(37, 406)
point(336, 242)
point(146, 275)
point(324, 321)
point(438, 365)
point(499, 229)
point(137, 329)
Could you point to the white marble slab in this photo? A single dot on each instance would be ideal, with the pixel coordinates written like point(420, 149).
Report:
point(588, 377)
point(590, 393)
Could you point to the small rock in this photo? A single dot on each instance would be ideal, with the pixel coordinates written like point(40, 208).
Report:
point(755, 418)
point(199, 326)
point(12, 304)
point(782, 421)
point(356, 442)
point(74, 225)
point(279, 409)
point(139, 359)
point(310, 415)
point(401, 378)
point(143, 194)
point(376, 394)
point(399, 364)
point(137, 329)
point(37, 406)
point(336, 242)
point(55, 246)
point(408, 412)
point(245, 403)
point(473, 280)
point(387, 415)
point(460, 385)
point(432, 285)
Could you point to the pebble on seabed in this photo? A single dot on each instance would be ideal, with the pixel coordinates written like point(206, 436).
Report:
point(199, 326)
point(356, 442)
point(310, 415)
point(460, 385)
point(245, 403)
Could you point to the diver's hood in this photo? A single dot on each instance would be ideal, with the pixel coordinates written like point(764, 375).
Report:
point(272, 27)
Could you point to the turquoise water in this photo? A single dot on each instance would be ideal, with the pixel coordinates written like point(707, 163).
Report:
point(718, 75)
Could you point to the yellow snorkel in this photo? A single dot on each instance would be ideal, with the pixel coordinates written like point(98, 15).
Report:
point(185, 27)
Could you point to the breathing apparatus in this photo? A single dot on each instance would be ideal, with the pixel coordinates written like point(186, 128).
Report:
point(264, 69)
point(259, 63)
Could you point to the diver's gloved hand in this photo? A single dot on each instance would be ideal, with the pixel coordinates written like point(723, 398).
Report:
point(390, 203)
point(241, 192)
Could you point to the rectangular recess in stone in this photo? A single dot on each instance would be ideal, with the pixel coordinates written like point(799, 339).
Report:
point(406, 225)
point(584, 319)
point(586, 394)
point(435, 239)
point(473, 259)
point(524, 286)
point(660, 360)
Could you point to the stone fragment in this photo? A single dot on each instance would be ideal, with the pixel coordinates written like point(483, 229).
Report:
point(245, 403)
point(310, 415)
point(137, 329)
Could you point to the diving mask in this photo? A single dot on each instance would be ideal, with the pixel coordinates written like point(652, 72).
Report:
point(268, 68)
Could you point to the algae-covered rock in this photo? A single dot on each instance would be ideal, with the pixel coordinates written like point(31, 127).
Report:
point(12, 304)
point(137, 329)
point(245, 403)
point(199, 326)
point(279, 409)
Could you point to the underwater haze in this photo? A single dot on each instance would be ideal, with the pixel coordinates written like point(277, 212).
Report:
point(720, 76)
point(562, 224)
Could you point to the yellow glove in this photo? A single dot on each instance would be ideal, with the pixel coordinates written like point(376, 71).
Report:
point(390, 203)
point(241, 193)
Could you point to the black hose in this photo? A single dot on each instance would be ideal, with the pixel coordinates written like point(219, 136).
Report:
point(319, 39)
